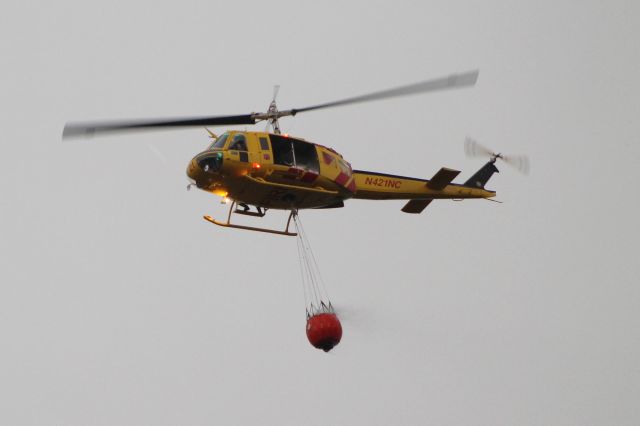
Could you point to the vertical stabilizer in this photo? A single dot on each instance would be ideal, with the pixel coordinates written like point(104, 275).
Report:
point(482, 176)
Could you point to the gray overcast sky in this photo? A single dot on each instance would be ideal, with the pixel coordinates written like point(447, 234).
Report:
point(119, 305)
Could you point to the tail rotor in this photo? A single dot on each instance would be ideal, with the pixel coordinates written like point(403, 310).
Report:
point(519, 162)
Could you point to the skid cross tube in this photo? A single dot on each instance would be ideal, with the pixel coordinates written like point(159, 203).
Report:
point(228, 224)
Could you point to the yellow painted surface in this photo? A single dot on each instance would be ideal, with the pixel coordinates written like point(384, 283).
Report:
point(387, 187)
point(260, 182)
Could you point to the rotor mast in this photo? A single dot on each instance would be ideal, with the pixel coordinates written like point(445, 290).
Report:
point(273, 114)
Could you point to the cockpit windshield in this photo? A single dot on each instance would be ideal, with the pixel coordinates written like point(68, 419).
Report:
point(219, 143)
point(239, 143)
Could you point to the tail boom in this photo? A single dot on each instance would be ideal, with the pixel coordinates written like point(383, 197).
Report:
point(382, 186)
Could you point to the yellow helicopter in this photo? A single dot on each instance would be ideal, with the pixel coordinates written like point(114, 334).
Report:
point(259, 171)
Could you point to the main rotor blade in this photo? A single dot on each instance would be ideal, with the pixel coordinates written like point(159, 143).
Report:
point(105, 127)
point(450, 82)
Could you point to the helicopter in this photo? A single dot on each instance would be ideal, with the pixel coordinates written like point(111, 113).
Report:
point(260, 171)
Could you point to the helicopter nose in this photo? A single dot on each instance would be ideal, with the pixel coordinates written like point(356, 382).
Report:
point(204, 165)
point(204, 168)
point(209, 162)
point(193, 171)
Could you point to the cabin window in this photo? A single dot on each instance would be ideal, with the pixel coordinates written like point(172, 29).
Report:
point(264, 144)
point(219, 143)
point(282, 153)
point(239, 143)
point(306, 155)
point(303, 155)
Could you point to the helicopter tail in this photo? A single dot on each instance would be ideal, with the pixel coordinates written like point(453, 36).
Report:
point(482, 176)
point(419, 192)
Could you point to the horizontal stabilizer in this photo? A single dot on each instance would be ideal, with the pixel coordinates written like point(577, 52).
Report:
point(441, 179)
point(416, 206)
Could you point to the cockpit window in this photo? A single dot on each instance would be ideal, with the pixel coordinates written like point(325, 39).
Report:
point(219, 143)
point(239, 143)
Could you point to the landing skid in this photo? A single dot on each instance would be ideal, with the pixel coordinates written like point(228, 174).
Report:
point(228, 224)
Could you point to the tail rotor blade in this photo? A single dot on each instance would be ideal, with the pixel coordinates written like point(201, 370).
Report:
point(473, 149)
point(518, 162)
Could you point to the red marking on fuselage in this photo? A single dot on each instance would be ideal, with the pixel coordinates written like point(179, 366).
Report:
point(352, 186)
point(328, 159)
point(309, 177)
point(342, 179)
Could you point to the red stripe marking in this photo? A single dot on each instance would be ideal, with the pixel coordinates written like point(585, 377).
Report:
point(294, 171)
point(352, 185)
point(327, 158)
point(342, 179)
point(309, 177)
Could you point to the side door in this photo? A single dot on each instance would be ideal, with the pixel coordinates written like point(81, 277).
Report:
point(238, 146)
point(265, 156)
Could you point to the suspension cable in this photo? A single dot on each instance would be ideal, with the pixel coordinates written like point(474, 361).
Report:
point(315, 292)
point(314, 263)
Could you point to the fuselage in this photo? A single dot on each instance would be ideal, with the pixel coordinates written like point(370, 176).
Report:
point(272, 171)
point(281, 172)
